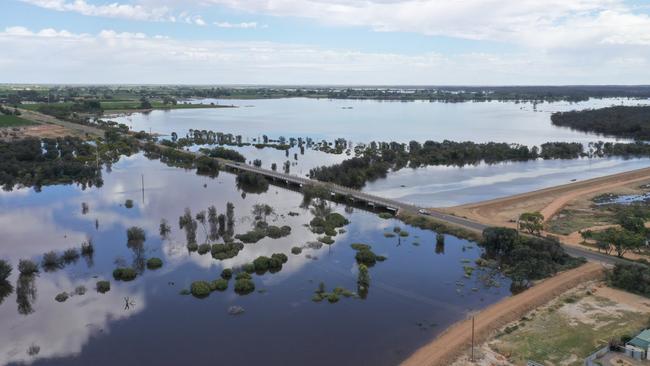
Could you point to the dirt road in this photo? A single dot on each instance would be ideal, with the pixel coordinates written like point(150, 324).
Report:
point(449, 345)
point(504, 211)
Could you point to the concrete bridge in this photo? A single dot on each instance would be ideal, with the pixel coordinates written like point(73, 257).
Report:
point(335, 189)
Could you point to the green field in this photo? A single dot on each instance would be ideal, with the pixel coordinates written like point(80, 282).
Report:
point(13, 121)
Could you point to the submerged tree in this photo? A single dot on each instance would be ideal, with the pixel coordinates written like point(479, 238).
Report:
point(26, 293)
point(363, 281)
point(213, 221)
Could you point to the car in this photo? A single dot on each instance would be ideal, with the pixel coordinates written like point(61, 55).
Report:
point(423, 212)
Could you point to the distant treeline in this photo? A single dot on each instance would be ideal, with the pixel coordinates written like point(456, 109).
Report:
point(620, 121)
point(169, 94)
point(377, 159)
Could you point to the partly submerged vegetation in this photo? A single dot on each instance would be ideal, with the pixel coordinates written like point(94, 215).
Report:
point(523, 258)
point(620, 121)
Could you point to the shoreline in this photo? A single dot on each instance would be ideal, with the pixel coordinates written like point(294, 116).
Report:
point(450, 344)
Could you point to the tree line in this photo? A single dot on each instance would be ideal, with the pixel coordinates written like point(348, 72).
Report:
point(620, 121)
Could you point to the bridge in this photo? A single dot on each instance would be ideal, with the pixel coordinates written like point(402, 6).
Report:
point(335, 189)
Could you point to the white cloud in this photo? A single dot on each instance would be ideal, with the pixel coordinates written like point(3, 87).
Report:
point(139, 58)
point(532, 23)
point(112, 10)
point(242, 25)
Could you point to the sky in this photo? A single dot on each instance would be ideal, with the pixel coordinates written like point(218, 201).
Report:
point(325, 42)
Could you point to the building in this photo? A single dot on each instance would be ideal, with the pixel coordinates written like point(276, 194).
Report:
point(640, 345)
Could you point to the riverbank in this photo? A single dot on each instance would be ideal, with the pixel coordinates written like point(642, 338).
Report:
point(450, 344)
point(505, 211)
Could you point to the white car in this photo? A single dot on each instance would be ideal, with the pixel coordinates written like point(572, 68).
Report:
point(423, 212)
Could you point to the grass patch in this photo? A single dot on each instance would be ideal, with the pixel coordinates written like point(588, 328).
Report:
point(547, 337)
point(13, 121)
point(570, 221)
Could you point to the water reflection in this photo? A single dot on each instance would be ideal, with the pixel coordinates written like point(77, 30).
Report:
point(414, 285)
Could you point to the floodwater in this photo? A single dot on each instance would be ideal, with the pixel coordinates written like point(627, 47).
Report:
point(414, 295)
point(434, 186)
point(365, 121)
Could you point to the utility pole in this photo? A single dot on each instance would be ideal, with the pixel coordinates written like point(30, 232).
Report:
point(472, 338)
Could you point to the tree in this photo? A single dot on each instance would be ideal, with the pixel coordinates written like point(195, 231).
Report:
point(533, 222)
point(499, 241)
point(622, 240)
point(633, 224)
point(262, 210)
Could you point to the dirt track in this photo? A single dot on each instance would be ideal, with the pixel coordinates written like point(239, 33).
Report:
point(502, 211)
point(449, 345)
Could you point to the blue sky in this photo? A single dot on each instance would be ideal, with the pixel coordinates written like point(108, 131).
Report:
point(325, 42)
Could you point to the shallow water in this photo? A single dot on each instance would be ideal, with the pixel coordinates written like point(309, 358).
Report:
point(521, 123)
point(413, 295)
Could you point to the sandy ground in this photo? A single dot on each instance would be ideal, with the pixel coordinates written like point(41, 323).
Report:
point(505, 211)
point(449, 345)
point(69, 127)
point(51, 131)
point(485, 355)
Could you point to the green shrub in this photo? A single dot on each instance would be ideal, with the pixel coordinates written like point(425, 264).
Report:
point(27, 267)
point(326, 240)
point(281, 257)
point(403, 233)
point(318, 297)
point(124, 274)
point(51, 261)
point(252, 236)
point(128, 203)
point(249, 267)
point(62, 297)
point(243, 276)
point(227, 250)
point(296, 250)
point(360, 246)
point(261, 263)
point(219, 285)
point(154, 263)
point(192, 247)
point(200, 289)
point(226, 274)
point(70, 255)
point(389, 235)
point(385, 215)
point(135, 234)
point(333, 297)
point(330, 231)
point(275, 232)
point(336, 220)
point(5, 269)
point(244, 286)
point(103, 286)
point(204, 248)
